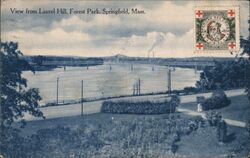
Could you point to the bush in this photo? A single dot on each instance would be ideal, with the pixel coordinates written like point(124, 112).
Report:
point(142, 136)
point(190, 90)
point(195, 123)
point(221, 131)
point(175, 101)
point(50, 104)
point(12, 144)
point(218, 100)
point(140, 107)
point(213, 118)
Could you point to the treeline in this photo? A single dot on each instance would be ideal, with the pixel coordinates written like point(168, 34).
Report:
point(179, 62)
point(49, 62)
point(186, 59)
point(41, 60)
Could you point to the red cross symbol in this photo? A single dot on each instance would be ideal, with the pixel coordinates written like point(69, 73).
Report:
point(198, 13)
point(231, 45)
point(230, 13)
point(199, 46)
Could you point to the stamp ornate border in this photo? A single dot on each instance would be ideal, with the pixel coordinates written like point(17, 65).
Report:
point(216, 29)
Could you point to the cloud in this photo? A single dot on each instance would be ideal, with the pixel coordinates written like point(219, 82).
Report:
point(62, 42)
point(169, 44)
point(98, 23)
point(54, 39)
point(167, 28)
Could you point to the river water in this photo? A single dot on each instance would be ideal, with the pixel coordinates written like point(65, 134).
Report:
point(101, 81)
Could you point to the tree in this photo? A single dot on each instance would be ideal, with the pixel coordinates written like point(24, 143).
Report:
point(245, 45)
point(38, 59)
point(229, 74)
point(16, 97)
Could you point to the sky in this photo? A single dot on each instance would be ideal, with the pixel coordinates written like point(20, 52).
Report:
point(166, 28)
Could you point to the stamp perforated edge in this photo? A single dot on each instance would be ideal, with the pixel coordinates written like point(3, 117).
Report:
point(237, 28)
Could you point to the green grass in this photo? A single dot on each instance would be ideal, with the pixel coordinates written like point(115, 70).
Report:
point(203, 143)
point(199, 143)
point(239, 109)
point(104, 135)
point(75, 121)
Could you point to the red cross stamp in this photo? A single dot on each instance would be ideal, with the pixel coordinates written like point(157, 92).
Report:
point(199, 46)
point(198, 14)
point(231, 45)
point(230, 13)
point(216, 29)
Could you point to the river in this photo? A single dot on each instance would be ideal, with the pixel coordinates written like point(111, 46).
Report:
point(101, 81)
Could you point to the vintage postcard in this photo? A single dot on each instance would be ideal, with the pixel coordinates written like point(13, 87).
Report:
point(124, 79)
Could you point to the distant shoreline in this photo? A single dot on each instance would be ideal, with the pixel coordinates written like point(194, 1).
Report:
point(199, 63)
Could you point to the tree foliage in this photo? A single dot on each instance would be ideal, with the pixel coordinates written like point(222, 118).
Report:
point(218, 100)
point(16, 98)
point(38, 59)
point(229, 74)
point(119, 137)
point(245, 45)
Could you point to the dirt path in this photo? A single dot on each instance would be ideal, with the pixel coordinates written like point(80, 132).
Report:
point(228, 121)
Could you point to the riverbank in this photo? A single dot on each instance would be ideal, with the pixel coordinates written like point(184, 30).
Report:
point(95, 106)
point(183, 92)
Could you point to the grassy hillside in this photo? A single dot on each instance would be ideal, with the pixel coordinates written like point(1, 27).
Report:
point(112, 135)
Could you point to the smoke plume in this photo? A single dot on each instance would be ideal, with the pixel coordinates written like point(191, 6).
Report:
point(158, 40)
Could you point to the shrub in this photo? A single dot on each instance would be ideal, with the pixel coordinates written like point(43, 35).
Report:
point(142, 136)
point(140, 107)
point(190, 90)
point(175, 101)
point(218, 100)
point(221, 131)
point(213, 117)
point(12, 144)
point(195, 123)
point(50, 104)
